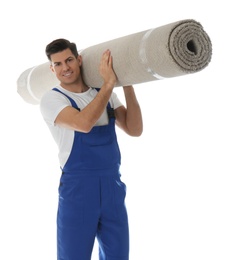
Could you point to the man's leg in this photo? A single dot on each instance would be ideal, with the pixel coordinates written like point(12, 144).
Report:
point(113, 230)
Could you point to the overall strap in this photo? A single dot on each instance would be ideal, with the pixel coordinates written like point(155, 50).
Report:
point(70, 99)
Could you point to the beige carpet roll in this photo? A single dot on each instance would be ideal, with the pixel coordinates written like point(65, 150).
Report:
point(167, 51)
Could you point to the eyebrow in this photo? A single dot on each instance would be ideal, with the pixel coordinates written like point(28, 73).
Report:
point(58, 62)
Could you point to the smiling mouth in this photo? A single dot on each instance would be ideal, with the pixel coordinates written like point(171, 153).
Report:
point(67, 74)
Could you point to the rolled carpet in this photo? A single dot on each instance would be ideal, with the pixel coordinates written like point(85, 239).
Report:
point(171, 50)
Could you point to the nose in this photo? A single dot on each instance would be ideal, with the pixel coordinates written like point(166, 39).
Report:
point(65, 66)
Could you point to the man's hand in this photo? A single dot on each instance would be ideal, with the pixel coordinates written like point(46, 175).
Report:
point(106, 69)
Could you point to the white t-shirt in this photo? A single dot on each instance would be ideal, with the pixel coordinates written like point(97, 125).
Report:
point(51, 105)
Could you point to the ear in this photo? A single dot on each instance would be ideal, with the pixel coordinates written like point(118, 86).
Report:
point(51, 68)
point(79, 58)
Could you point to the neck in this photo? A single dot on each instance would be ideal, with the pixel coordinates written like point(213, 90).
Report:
point(76, 88)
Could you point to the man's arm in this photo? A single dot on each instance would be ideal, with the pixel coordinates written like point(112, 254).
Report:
point(129, 119)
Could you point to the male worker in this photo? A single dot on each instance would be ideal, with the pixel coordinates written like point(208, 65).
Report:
point(82, 121)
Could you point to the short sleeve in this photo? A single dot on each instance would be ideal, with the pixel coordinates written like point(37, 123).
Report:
point(115, 101)
point(52, 104)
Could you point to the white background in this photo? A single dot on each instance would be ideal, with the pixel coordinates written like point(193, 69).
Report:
point(175, 172)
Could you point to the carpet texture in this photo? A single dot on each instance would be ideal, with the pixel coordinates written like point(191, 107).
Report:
point(171, 50)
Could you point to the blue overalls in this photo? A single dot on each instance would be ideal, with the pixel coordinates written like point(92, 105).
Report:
point(92, 197)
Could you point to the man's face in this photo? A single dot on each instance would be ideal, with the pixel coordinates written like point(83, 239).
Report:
point(66, 66)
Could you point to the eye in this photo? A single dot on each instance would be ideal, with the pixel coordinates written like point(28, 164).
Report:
point(70, 59)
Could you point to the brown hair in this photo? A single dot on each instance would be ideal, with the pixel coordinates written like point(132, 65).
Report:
point(60, 45)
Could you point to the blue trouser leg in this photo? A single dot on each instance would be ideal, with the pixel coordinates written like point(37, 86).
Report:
point(78, 214)
point(113, 232)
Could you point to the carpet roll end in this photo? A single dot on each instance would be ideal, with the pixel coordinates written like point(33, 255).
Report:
point(190, 46)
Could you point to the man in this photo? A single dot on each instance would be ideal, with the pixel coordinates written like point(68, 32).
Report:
point(82, 121)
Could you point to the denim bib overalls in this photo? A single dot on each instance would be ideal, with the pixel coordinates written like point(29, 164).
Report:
point(92, 197)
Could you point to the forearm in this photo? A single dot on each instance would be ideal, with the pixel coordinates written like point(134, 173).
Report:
point(92, 112)
point(133, 117)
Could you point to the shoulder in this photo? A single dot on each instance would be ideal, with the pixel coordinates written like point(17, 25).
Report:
point(53, 99)
point(51, 103)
